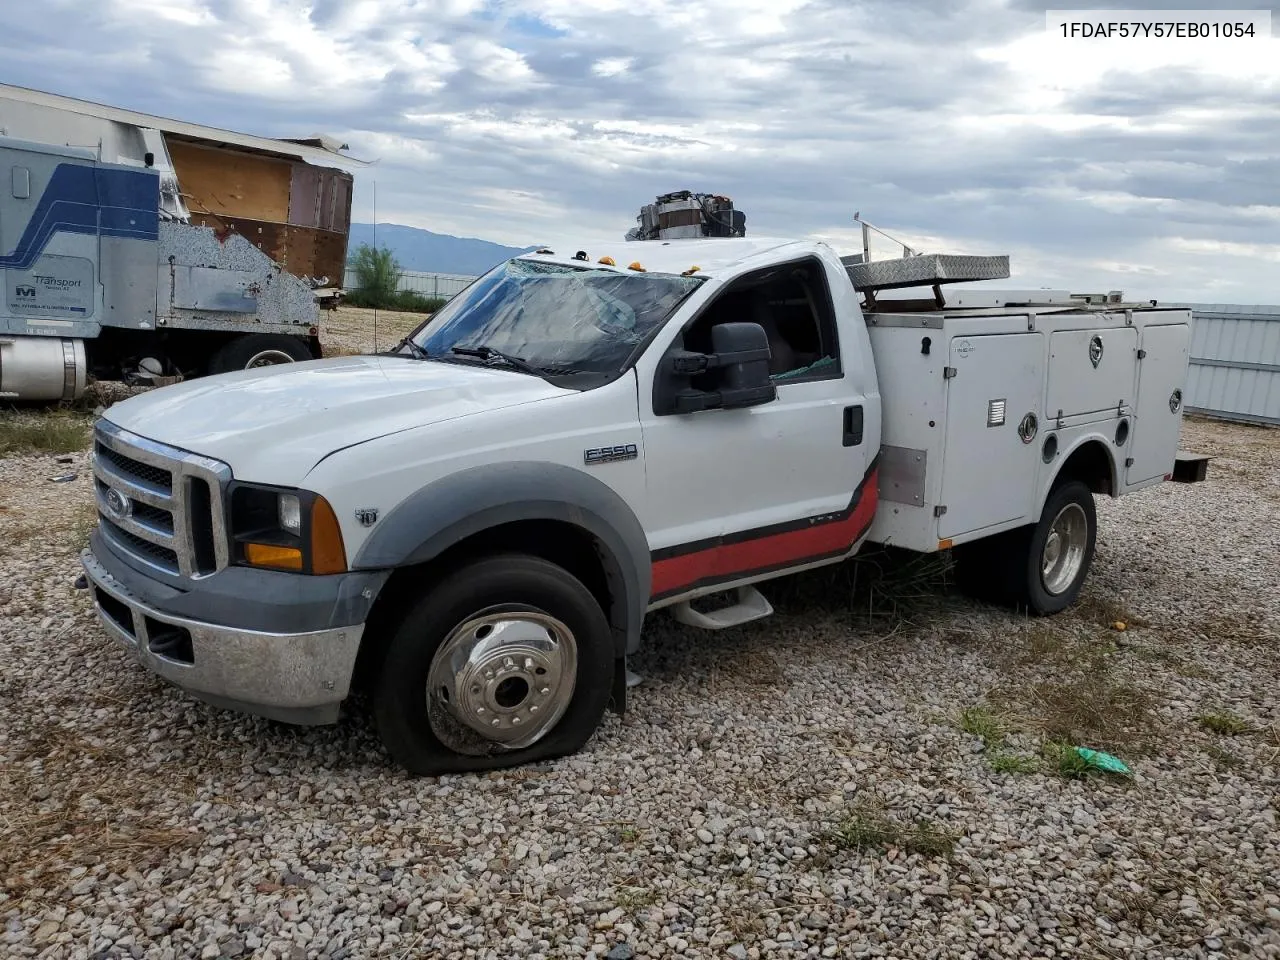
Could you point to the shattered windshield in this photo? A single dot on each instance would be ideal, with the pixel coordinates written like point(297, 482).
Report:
point(561, 320)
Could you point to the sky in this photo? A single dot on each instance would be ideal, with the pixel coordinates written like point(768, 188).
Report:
point(964, 126)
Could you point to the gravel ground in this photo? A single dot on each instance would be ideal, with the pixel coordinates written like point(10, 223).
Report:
point(803, 786)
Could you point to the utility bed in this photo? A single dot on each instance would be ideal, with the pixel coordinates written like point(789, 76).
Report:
point(982, 405)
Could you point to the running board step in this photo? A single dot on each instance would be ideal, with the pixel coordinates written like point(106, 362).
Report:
point(751, 605)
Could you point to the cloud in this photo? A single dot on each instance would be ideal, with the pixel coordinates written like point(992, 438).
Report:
point(612, 66)
point(955, 124)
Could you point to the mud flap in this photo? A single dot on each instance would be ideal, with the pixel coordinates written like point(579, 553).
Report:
point(618, 695)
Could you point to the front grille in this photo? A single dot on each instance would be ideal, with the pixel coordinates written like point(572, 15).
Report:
point(130, 469)
point(156, 519)
point(160, 505)
point(153, 553)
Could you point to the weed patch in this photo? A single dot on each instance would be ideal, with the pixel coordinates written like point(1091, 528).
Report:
point(1224, 758)
point(866, 827)
point(52, 432)
point(887, 586)
point(1013, 763)
point(1064, 761)
point(633, 899)
point(983, 722)
point(1093, 709)
point(1224, 724)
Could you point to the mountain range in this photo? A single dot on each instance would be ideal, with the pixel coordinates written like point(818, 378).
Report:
point(422, 250)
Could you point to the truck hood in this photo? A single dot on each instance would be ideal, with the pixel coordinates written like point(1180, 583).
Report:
point(273, 424)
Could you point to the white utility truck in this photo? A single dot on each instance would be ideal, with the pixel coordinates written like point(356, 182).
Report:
point(474, 526)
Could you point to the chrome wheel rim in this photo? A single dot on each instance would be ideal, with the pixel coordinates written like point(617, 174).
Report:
point(268, 358)
point(501, 681)
point(1064, 549)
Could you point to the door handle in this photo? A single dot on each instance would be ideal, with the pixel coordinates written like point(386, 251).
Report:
point(852, 426)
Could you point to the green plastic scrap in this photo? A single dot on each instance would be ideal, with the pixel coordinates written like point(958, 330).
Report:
point(1103, 761)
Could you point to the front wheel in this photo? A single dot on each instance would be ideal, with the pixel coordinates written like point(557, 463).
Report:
point(259, 350)
point(507, 661)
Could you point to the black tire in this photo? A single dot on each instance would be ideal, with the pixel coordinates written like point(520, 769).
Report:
point(509, 582)
point(1007, 569)
point(259, 349)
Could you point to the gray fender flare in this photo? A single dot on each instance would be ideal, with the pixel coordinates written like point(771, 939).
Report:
point(447, 511)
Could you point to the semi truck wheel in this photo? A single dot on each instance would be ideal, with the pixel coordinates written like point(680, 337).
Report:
point(1039, 568)
point(508, 660)
point(259, 350)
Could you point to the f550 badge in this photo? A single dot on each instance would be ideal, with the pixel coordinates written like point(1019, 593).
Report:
point(598, 455)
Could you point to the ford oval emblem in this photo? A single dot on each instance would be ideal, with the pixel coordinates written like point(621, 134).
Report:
point(119, 506)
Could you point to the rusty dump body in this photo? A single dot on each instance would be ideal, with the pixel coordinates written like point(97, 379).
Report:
point(295, 212)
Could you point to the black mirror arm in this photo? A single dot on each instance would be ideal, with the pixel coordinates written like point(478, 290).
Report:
point(690, 363)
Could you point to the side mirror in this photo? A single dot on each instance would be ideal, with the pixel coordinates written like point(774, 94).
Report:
point(742, 359)
point(735, 374)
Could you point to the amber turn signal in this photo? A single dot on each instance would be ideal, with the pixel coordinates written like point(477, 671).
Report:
point(267, 555)
point(328, 554)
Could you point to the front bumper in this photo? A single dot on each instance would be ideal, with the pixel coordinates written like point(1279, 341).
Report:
point(297, 678)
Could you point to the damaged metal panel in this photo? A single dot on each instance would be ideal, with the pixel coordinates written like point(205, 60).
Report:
point(207, 288)
point(305, 192)
point(230, 183)
point(302, 251)
point(336, 202)
point(204, 278)
point(296, 213)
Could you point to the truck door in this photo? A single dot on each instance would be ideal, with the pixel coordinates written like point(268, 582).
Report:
point(1157, 420)
point(735, 493)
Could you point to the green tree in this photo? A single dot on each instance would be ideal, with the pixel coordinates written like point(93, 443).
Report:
point(377, 275)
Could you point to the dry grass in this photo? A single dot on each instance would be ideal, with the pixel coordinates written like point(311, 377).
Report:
point(1224, 723)
point(1097, 711)
point(74, 803)
point(353, 330)
point(46, 432)
point(880, 585)
point(1245, 629)
point(1105, 611)
point(1061, 682)
point(83, 524)
point(866, 827)
point(635, 899)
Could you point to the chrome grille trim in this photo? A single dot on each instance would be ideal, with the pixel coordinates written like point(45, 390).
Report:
point(183, 468)
point(107, 475)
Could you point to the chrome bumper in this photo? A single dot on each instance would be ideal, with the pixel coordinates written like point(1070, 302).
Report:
point(293, 677)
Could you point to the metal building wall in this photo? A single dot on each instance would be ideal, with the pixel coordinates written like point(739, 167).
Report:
point(1235, 362)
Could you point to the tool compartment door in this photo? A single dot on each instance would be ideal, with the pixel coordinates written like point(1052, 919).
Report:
point(989, 473)
point(1157, 420)
point(1092, 372)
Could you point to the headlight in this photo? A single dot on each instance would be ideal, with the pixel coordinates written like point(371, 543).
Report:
point(291, 513)
point(282, 529)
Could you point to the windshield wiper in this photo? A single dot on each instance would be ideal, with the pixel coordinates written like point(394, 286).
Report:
point(488, 353)
point(416, 351)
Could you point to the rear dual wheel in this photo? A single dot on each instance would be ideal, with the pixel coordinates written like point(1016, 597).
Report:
point(1040, 568)
point(507, 661)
